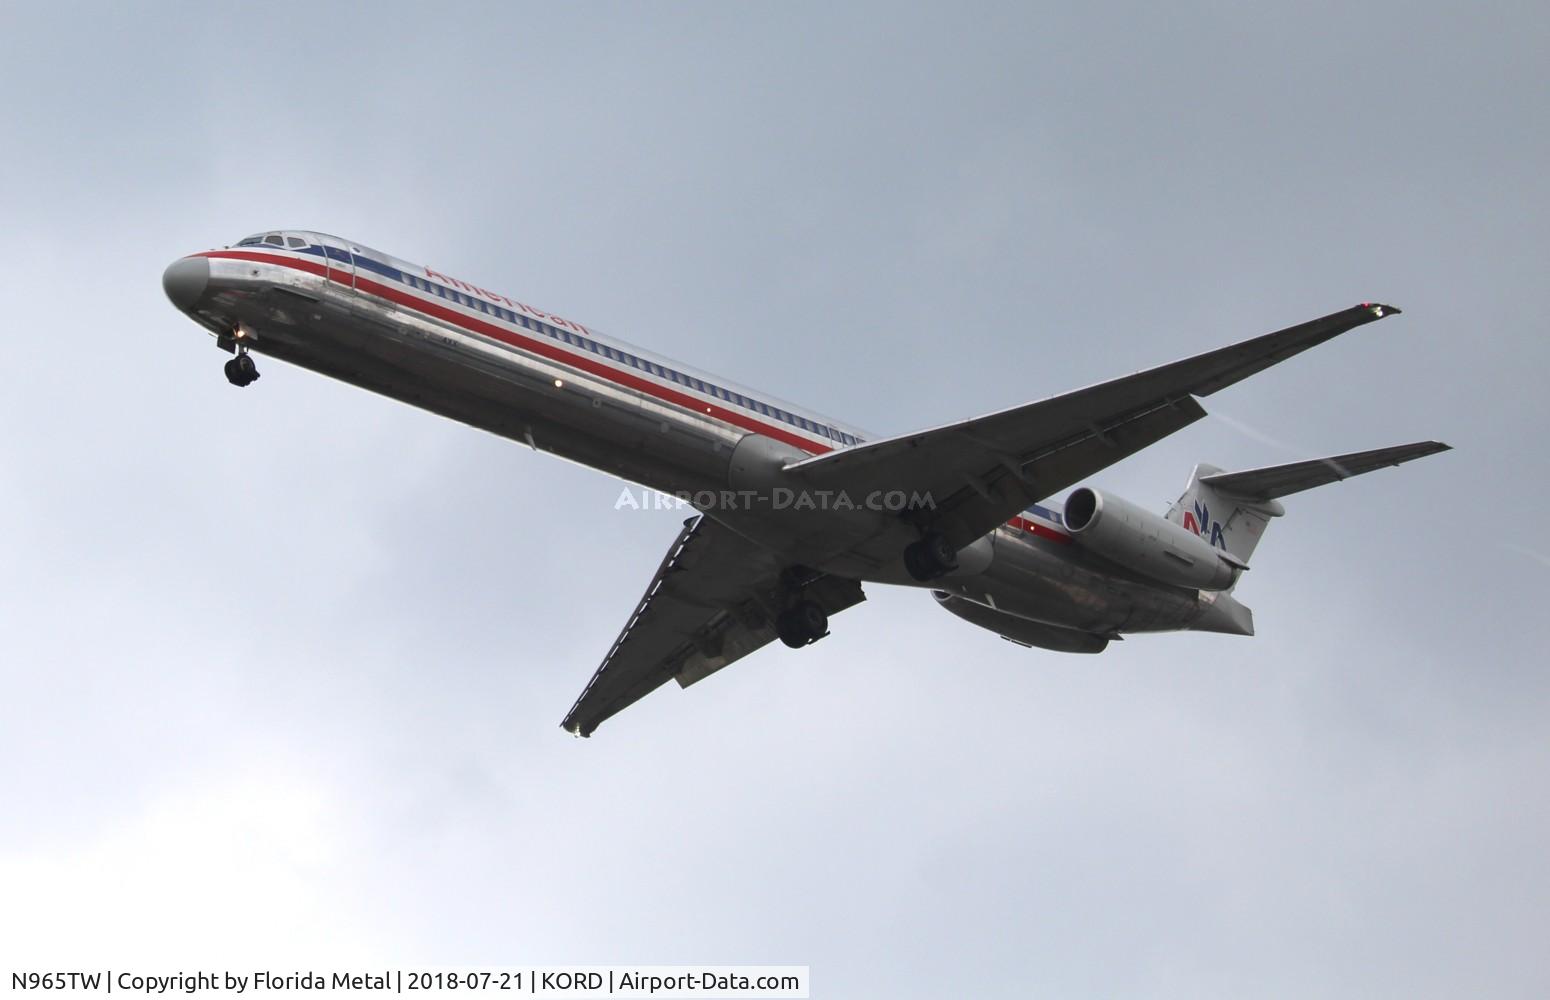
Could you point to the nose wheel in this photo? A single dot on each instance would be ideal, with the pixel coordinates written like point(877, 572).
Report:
point(241, 370)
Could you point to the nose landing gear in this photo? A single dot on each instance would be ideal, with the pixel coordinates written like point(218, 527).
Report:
point(241, 370)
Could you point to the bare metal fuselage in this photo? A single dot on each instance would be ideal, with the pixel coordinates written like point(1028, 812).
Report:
point(335, 317)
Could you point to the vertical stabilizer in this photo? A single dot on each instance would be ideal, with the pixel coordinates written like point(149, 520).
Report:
point(1231, 509)
point(1233, 524)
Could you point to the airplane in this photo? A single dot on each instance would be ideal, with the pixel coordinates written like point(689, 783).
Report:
point(795, 511)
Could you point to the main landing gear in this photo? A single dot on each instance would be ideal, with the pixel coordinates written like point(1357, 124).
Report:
point(931, 557)
point(802, 624)
point(241, 370)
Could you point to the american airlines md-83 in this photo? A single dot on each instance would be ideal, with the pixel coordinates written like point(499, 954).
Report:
point(797, 510)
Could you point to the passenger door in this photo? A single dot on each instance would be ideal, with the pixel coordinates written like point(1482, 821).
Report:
point(339, 262)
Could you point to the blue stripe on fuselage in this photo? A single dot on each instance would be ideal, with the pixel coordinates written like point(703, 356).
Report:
point(617, 355)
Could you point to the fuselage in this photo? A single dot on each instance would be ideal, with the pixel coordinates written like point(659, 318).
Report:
point(438, 342)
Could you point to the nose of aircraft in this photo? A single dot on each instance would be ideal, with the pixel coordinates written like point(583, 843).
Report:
point(185, 281)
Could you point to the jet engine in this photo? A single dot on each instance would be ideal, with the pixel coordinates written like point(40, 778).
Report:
point(1147, 543)
point(1021, 630)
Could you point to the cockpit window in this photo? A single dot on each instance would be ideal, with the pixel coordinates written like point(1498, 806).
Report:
point(273, 239)
point(295, 241)
point(252, 241)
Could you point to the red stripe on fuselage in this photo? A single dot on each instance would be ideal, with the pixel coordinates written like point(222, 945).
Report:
point(1038, 530)
point(547, 349)
point(541, 347)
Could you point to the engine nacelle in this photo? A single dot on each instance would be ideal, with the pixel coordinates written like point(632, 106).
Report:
point(1021, 630)
point(1147, 543)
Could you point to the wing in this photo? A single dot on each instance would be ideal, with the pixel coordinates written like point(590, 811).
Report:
point(712, 601)
point(980, 472)
point(1284, 480)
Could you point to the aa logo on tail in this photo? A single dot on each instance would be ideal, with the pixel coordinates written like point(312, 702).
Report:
point(1199, 519)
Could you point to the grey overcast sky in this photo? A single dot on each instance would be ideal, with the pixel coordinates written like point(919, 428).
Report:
point(281, 670)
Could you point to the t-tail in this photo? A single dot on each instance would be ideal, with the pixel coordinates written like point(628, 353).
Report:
point(1232, 509)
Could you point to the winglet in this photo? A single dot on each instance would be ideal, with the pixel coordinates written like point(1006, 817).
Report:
point(1379, 310)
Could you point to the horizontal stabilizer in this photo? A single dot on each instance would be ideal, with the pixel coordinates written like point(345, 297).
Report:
point(1282, 480)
